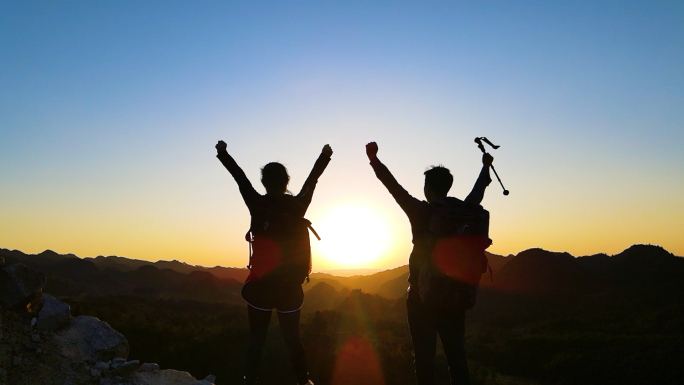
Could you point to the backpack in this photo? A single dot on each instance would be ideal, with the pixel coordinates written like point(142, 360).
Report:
point(457, 236)
point(280, 249)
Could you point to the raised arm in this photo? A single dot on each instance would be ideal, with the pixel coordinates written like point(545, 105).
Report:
point(483, 180)
point(306, 193)
point(405, 200)
point(246, 189)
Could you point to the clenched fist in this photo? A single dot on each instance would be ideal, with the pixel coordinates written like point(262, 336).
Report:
point(221, 146)
point(372, 150)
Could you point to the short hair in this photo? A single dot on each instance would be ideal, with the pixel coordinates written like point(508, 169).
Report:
point(440, 179)
point(274, 177)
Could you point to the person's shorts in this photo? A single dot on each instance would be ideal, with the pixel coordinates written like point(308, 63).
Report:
point(264, 294)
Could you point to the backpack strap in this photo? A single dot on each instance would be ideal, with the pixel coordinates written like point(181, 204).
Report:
point(314, 232)
point(308, 225)
point(249, 237)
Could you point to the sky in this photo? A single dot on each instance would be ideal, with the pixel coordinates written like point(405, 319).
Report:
point(110, 110)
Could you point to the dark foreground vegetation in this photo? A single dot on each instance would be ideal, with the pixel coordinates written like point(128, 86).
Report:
point(511, 340)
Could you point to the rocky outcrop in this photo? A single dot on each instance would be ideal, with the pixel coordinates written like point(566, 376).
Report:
point(89, 339)
point(54, 315)
point(49, 347)
point(84, 351)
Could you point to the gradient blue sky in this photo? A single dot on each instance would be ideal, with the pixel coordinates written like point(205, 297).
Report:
point(109, 112)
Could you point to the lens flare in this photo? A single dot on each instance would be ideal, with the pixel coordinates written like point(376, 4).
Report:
point(357, 363)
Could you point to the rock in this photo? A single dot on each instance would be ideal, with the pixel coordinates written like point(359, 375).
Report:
point(19, 286)
point(164, 377)
point(210, 379)
point(54, 315)
point(118, 361)
point(87, 338)
point(103, 367)
point(31, 347)
point(203, 383)
point(2, 262)
point(34, 306)
point(35, 337)
point(95, 373)
point(148, 367)
point(17, 360)
point(126, 369)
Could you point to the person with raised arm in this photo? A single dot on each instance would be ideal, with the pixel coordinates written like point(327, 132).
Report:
point(280, 257)
point(425, 320)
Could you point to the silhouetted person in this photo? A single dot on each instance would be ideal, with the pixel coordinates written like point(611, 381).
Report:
point(280, 257)
point(425, 323)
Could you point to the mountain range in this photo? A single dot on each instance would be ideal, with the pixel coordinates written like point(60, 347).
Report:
point(533, 272)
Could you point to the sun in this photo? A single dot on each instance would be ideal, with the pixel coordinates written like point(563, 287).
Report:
point(353, 235)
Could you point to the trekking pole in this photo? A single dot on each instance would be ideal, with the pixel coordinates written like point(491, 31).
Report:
point(481, 146)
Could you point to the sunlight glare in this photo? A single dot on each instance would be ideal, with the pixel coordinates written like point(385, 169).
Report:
point(353, 236)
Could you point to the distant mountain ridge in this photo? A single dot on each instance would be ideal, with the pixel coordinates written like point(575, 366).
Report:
point(531, 272)
point(638, 268)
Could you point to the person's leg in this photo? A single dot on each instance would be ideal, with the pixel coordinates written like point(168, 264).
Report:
point(289, 325)
point(258, 329)
point(424, 337)
point(451, 331)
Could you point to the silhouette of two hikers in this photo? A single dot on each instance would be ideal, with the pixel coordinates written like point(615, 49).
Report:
point(280, 257)
point(445, 265)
